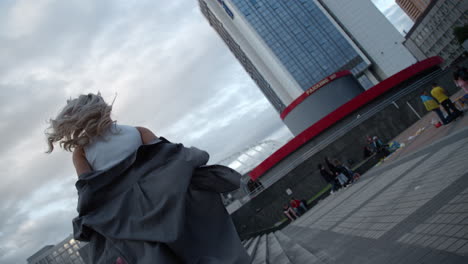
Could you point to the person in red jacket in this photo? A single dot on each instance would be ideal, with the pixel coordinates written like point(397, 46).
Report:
point(298, 206)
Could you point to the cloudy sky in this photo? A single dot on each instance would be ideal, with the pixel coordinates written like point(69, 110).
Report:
point(169, 70)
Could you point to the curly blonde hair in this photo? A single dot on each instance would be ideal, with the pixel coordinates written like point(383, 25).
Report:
point(82, 119)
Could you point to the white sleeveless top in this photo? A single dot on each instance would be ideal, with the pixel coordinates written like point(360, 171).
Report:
point(114, 146)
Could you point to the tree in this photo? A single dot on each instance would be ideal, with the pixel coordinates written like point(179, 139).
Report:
point(461, 33)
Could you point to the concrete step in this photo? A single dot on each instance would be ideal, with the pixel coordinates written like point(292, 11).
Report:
point(276, 254)
point(295, 252)
point(253, 247)
point(261, 254)
point(247, 242)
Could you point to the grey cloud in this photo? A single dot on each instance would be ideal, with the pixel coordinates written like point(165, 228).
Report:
point(32, 234)
point(401, 21)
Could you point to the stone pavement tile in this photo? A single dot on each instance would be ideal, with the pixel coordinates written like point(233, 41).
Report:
point(463, 250)
point(431, 258)
point(422, 228)
point(454, 230)
point(429, 241)
point(447, 243)
point(463, 232)
point(414, 239)
point(445, 229)
point(412, 256)
point(450, 218)
point(436, 228)
point(423, 239)
point(439, 241)
point(430, 228)
point(457, 245)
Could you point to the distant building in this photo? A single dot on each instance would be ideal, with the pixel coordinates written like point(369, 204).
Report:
point(65, 252)
point(413, 8)
point(432, 34)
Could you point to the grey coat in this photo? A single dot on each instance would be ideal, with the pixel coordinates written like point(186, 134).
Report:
point(159, 205)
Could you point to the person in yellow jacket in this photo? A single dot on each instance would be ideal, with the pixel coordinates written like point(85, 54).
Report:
point(432, 105)
point(441, 96)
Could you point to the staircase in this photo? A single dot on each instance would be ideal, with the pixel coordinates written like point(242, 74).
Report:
point(278, 248)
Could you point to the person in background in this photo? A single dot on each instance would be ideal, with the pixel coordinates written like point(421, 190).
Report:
point(380, 146)
point(289, 212)
point(462, 83)
point(298, 206)
point(367, 151)
point(432, 105)
point(370, 144)
point(329, 177)
point(441, 96)
point(330, 165)
point(341, 174)
point(342, 170)
point(462, 72)
point(355, 176)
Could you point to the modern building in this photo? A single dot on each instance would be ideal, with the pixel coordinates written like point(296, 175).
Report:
point(432, 34)
point(65, 252)
point(289, 48)
point(413, 8)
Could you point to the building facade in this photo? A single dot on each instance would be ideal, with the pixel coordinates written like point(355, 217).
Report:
point(285, 46)
point(413, 8)
point(373, 33)
point(288, 46)
point(65, 252)
point(432, 34)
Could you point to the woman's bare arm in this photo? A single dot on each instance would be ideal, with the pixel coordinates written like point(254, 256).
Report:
point(146, 135)
point(80, 162)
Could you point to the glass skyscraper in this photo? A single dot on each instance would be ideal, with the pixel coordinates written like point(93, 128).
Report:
point(303, 38)
point(286, 46)
point(309, 57)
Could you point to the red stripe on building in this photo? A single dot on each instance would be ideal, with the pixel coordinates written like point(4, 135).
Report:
point(312, 90)
point(343, 111)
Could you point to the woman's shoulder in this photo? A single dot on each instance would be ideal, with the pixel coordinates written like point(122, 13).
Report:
point(147, 136)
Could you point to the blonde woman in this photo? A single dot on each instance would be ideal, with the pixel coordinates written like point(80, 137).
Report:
point(143, 199)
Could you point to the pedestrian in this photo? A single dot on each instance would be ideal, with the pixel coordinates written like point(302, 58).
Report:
point(441, 96)
point(341, 169)
point(330, 165)
point(141, 198)
point(329, 177)
point(370, 144)
point(432, 105)
point(463, 84)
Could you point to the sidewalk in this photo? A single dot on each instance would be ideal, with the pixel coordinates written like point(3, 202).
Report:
point(413, 208)
point(423, 132)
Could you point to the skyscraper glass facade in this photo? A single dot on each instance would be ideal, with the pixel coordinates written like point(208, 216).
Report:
point(302, 37)
point(264, 86)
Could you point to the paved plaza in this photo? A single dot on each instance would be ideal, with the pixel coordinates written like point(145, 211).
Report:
point(411, 209)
